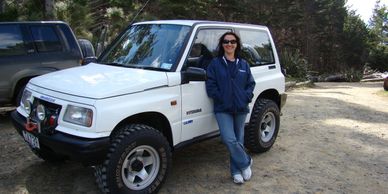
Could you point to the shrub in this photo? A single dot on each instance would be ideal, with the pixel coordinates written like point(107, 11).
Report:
point(378, 58)
point(294, 63)
point(352, 75)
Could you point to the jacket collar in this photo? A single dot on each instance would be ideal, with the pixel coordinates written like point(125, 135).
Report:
point(226, 63)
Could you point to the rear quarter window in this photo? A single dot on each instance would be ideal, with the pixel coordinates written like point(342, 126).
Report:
point(45, 39)
point(256, 47)
point(11, 40)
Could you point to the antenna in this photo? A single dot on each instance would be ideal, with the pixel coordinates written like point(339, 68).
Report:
point(137, 14)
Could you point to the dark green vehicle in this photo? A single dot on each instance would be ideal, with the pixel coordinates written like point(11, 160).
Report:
point(30, 49)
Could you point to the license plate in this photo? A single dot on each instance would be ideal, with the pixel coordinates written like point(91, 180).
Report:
point(31, 139)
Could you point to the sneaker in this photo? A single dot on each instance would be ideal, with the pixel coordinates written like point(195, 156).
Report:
point(238, 179)
point(247, 173)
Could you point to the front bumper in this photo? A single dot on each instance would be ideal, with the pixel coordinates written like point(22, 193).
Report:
point(84, 150)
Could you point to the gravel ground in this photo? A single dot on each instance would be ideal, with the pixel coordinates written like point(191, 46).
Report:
point(333, 139)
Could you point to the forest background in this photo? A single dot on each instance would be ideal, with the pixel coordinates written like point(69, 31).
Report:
point(313, 37)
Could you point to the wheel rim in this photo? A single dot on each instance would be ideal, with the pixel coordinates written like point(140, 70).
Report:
point(140, 168)
point(267, 127)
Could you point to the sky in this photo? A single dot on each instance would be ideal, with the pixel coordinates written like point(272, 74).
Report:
point(364, 8)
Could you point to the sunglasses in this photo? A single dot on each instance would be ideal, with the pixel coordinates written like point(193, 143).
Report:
point(229, 41)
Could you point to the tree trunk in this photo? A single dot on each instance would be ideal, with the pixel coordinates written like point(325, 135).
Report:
point(49, 9)
point(386, 84)
point(2, 6)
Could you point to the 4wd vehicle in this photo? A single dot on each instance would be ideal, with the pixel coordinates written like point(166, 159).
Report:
point(30, 49)
point(144, 98)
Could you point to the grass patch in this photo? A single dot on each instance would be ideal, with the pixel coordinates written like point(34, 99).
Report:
point(382, 93)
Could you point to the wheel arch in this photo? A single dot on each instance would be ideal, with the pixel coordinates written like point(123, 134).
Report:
point(154, 119)
point(22, 77)
point(271, 94)
point(18, 86)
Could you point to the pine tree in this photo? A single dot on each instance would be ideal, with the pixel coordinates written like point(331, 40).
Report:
point(378, 57)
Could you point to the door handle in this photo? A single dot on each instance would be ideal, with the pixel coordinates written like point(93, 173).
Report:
point(272, 67)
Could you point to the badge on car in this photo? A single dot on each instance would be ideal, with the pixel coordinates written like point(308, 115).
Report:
point(52, 100)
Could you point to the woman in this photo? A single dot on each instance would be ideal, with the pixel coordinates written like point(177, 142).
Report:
point(230, 84)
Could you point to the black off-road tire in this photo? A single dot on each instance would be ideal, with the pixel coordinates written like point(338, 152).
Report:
point(138, 161)
point(263, 127)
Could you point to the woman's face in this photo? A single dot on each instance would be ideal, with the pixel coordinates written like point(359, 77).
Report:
point(229, 44)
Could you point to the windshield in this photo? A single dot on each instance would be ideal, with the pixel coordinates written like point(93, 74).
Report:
point(148, 46)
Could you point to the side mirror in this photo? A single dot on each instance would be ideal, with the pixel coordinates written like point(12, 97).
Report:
point(193, 74)
point(86, 48)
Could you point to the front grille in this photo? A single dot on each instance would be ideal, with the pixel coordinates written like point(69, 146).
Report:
point(48, 125)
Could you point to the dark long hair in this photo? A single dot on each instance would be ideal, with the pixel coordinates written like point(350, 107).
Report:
point(221, 50)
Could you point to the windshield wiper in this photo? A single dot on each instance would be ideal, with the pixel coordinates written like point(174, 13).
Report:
point(137, 67)
point(116, 64)
point(148, 68)
point(153, 68)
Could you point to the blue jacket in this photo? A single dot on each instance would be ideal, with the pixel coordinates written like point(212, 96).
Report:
point(230, 88)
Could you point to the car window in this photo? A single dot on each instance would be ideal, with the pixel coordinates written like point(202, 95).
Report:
point(45, 39)
point(11, 40)
point(256, 47)
point(204, 47)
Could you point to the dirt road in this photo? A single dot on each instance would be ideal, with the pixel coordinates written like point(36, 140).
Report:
point(333, 139)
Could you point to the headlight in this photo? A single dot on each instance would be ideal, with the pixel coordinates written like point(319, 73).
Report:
point(79, 115)
point(26, 101)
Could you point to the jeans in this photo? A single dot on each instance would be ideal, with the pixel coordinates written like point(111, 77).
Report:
point(232, 135)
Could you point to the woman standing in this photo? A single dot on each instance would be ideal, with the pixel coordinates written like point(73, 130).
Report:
point(230, 84)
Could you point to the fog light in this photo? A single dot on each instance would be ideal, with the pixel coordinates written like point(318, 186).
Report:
point(41, 112)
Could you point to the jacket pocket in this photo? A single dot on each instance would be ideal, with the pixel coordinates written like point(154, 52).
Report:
point(241, 78)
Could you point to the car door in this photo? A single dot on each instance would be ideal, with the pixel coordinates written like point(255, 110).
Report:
point(197, 108)
point(16, 55)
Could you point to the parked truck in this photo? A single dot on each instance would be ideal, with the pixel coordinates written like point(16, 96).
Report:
point(30, 49)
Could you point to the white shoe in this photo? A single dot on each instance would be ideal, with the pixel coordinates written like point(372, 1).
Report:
point(247, 173)
point(238, 179)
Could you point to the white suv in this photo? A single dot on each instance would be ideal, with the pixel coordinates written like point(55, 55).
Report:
point(144, 98)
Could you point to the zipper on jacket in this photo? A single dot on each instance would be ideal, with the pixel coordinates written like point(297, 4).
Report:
point(232, 82)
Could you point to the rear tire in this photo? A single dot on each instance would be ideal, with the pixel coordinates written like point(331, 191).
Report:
point(137, 162)
point(262, 130)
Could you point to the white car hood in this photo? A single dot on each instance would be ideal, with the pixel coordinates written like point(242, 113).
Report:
point(100, 81)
